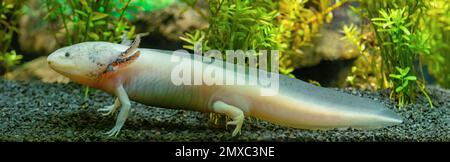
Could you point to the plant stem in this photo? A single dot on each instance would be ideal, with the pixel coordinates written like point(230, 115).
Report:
point(86, 92)
point(51, 25)
point(88, 22)
point(121, 17)
point(106, 11)
point(218, 8)
point(69, 39)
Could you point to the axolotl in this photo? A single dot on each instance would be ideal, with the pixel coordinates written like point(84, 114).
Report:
point(144, 75)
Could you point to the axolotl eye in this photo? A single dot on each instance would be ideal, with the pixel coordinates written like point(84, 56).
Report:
point(67, 54)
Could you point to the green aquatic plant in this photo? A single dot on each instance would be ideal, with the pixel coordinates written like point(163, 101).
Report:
point(10, 11)
point(400, 41)
point(298, 23)
point(402, 79)
point(366, 71)
point(148, 6)
point(437, 22)
point(238, 24)
point(266, 24)
point(10, 59)
point(134, 7)
point(89, 20)
point(394, 38)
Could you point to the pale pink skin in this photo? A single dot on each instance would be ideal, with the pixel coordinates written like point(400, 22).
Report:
point(148, 80)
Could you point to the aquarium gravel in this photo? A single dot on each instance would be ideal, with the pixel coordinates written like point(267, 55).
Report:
point(37, 111)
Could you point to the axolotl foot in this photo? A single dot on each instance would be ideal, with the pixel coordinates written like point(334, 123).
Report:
point(114, 131)
point(125, 107)
point(233, 112)
point(238, 121)
point(109, 110)
point(123, 114)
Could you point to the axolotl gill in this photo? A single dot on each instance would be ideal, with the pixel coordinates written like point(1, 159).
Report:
point(144, 75)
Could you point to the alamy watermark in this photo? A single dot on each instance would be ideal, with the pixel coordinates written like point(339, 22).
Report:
point(240, 68)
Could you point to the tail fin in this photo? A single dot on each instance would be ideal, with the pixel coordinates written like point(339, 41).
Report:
point(304, 105)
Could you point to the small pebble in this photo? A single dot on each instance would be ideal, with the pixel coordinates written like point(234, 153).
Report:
point(42, 112)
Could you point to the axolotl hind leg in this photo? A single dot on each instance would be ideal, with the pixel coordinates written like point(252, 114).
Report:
point(125, 108)
point(231, 111)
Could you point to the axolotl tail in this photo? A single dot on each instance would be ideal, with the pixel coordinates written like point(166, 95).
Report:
point(302, 105)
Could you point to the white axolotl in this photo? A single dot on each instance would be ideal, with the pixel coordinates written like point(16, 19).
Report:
point(144, 75)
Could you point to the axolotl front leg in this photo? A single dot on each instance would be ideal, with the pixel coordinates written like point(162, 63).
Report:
point(123, 102)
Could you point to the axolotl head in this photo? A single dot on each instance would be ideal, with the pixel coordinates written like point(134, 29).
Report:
point(90, 62)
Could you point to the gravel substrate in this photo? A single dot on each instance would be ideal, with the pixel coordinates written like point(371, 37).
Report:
point(37, 111)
